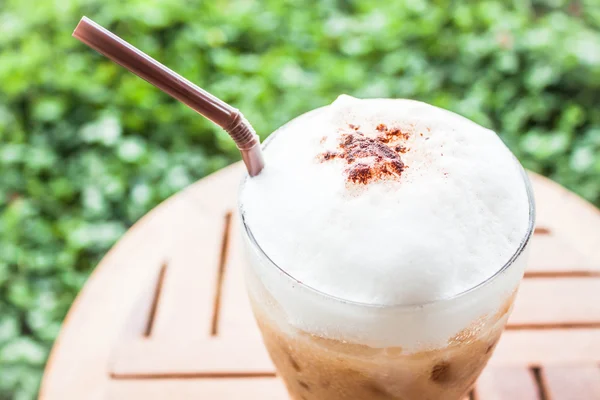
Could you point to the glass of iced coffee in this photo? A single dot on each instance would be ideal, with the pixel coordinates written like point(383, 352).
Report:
point(386, 241)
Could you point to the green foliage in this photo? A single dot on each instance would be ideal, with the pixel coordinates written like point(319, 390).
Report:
point(87, 148)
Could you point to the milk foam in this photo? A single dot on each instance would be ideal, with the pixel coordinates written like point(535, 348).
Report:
point(449, 220)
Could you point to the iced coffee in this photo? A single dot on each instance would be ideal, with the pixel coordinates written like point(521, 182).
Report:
point(386, 242)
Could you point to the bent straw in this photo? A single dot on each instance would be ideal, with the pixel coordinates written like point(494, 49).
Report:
point(147, 68)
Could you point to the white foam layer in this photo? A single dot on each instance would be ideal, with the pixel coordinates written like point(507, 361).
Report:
point(452, 218)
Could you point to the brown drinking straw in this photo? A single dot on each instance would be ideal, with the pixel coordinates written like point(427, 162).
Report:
point(147, 68)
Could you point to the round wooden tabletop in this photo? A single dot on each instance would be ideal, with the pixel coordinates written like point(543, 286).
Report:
point(165, 314)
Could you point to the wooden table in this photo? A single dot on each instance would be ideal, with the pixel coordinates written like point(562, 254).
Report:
point(165, 314)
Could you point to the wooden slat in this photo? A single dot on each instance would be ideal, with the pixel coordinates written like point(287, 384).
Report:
point(218, 191)
point(183, 345)
point(552, 254)
point(140, 317)
point(572, 382)
point(547, 347)
point(237, 321)
point(185, 308)
point(202, 389)
point(565, 213)
point(557, 302)
point(145, 358)
point(507, 383)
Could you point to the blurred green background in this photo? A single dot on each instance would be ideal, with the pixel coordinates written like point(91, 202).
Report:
point(86, 148)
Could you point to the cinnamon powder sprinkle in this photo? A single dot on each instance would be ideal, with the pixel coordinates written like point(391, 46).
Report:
point(370, 158)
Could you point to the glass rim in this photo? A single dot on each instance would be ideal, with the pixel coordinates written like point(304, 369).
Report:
point(519, 250)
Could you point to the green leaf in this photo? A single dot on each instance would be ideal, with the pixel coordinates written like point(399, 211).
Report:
point(9, 327)
point(23, 350)
point(48, 109)
point(106, 131)
point(131, 149)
